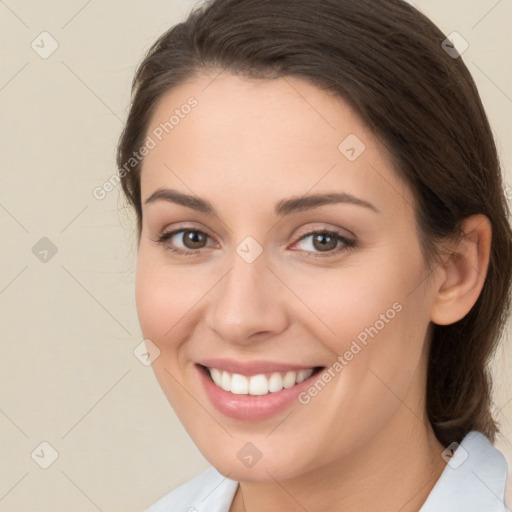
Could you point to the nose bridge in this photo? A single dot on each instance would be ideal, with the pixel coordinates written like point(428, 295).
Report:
point(246, 302)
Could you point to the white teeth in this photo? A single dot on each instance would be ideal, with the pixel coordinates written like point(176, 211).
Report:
point(289, 379)
point(275, 383)
point(239, 384)
point(257, 384)
point(225, 381)
point(304, 374)
point(216, 376)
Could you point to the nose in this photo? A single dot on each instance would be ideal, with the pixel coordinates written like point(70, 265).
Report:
point(248, 304)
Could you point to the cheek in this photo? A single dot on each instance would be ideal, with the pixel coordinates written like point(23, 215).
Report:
point(163, 296)
point(151, 300)
point(360, 301)
point(377, 314)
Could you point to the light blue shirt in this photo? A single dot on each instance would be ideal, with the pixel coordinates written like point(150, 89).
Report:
point(473, 481)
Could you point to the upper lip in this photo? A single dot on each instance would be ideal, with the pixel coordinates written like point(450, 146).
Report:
point(249, 368)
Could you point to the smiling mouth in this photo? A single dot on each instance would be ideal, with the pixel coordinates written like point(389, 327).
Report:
point(259, 384)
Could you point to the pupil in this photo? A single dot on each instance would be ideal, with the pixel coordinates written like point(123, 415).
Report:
point(319, 242)
point(193, 240)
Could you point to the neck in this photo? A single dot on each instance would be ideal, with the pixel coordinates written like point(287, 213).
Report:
point(396, 470)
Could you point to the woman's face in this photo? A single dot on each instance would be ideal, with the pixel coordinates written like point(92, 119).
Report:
point(303, 257)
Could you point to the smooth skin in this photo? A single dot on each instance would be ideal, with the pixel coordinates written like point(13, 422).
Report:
point(364, 442)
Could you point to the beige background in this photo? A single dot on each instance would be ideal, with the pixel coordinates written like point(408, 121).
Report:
point(68, 375)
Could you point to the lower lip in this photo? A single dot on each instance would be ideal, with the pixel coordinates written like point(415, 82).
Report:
point(251, 407)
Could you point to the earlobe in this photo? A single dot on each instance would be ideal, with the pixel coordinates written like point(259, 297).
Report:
point(464, 271)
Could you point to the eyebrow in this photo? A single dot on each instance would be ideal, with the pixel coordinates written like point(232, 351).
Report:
point(282, 208)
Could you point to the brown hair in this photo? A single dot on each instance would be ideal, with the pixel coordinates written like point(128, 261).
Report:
point(386, 60)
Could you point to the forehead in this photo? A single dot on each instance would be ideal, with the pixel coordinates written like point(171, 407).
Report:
point(264, 139)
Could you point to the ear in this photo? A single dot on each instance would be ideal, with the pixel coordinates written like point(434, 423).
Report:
point(463, 271)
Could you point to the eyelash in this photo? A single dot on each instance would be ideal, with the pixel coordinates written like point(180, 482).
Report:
point(347, 243)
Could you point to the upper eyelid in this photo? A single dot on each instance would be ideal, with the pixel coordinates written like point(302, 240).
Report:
point(337, 231)
point(175, 231)
point(317, 226)
point(186, 227)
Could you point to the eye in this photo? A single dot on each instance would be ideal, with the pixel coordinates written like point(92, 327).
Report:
point(191, 241)
point(326, 242)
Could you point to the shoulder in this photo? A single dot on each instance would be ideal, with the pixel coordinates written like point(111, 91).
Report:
point(473, 480)
point(207, 492)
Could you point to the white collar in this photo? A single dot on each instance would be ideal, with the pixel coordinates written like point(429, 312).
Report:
point(473, 480)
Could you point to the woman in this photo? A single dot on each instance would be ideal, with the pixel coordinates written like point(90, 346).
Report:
point(324, 257)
